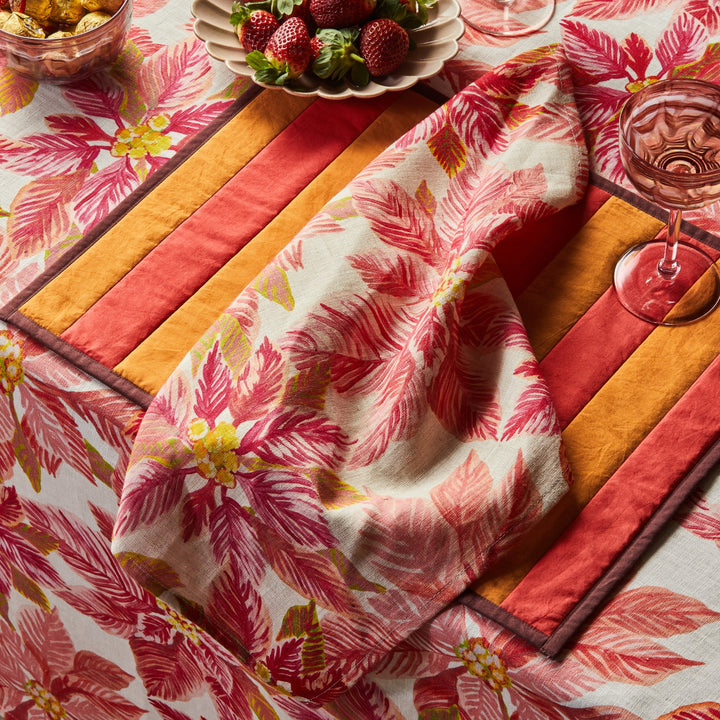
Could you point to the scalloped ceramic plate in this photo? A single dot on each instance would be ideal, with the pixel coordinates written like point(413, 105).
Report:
point(436, 43)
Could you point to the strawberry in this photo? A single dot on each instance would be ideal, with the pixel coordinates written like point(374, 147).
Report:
point(384, 45)
point(286, 56)
point(337, 55)
point(254, 28)
point(341, 13)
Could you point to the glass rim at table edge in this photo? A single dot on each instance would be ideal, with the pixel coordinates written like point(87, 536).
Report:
point(688, 181)
point(529, 30)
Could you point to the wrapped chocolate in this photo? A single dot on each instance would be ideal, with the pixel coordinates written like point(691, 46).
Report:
point(58, 34)
point(4, 15)
point(108, 6)
point(91, 21)
point(39, 10)
point(66, 12)
point(24, 25)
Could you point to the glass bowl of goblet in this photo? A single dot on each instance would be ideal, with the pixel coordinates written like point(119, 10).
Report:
point(507, 18)
point(669, 142)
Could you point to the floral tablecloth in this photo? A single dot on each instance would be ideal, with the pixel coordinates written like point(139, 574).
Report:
point(79, 637)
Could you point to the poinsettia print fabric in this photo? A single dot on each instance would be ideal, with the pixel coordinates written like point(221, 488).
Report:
point(339, 458)
point(266, 481)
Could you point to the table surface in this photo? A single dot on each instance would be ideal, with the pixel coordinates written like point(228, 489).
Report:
point(78, 634)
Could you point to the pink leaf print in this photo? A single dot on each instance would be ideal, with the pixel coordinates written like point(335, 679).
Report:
point(96, 99)
point(46, 154)
point(308, 388)
point(175, 76)
point(287, 502)
point(401, 403)
point(295, 437)
point(682, 43)
point(45, 636)
point(598, 104)
point(410, 543)
point(233, 538)
point(16, 91)
point(463, 394)
point(438, 691)
point(639, 54)
point(103, 191)
point(273, 285)
point(308, 573)
point(487, 516)
point(170, 671)
point(237, 608)
point(696, 711)
point(616, 9)
point(707, 13)
point(448, 149)
point(396, 217)
point(366, 700)
point(190, 120)
point(97, 670)
point(166, 712)
point(77, 126)
point(401, 276)
point(153, 494)
point(53, 432)
point(703, 519)
point(533, 413)
point(628, 658)
point(655, 612)
point(596, 52)
point(260, 384)
point(211, 397)
point(39, 213)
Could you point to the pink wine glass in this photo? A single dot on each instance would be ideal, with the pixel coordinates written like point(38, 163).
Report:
point(505, 18)
point(670, 150)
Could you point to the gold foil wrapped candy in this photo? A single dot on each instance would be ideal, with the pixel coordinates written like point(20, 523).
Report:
point(39, 10)
point(90, 21)
point(108, 6)
point(24, 25)
point(66, 12)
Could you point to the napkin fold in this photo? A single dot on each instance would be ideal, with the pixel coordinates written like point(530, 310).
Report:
point(365, 430)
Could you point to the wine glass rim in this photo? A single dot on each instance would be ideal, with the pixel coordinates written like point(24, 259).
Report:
point(658, 88)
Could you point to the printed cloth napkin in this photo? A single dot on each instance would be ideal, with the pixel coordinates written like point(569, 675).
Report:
point(365, 430)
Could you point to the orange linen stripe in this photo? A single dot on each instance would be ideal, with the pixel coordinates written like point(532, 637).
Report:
point(88, 278)
point(610, 427)
point(625, 503)
point(581, 272)
point(196, 249)
point(151, 363)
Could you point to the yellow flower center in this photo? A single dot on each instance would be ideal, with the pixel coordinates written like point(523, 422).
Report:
point(45, 700)
point(142, 140)
point(11, 369)
point(451, 286)
point(214, 450)
point(484, 663)
point(179, 623)
point(635, 85)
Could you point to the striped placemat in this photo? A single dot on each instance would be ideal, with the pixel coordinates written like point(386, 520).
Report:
point(638, 406)
point(130, 300)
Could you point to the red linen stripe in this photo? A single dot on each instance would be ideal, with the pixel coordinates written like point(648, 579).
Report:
point(522, 255)
point(569, 569)
point(202, 244)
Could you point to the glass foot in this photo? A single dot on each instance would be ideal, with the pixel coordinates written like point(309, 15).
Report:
point(689, 295)
point(493, 17)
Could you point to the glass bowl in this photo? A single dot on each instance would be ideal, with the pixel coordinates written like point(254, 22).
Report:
point(66, 59)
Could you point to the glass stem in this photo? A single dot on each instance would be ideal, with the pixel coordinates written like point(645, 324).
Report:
point(669, 266)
